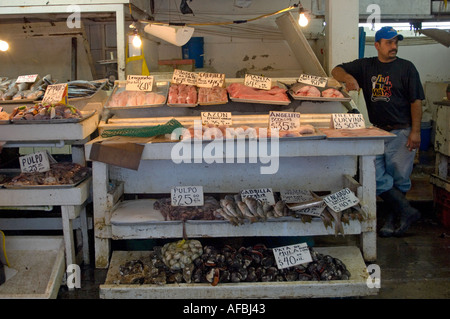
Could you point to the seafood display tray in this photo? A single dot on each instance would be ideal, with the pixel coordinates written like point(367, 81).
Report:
point(260, 101)
point(162, 88)
point(85, 114)
point(363, 133)
point(45, 186)
point(346, 98)
point(349, 255)
point(21, 101)
point(39, 263)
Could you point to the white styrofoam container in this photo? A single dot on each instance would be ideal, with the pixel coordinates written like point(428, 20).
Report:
point(39, 262)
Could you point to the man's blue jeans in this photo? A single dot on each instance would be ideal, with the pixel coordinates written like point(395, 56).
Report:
point(394, 167)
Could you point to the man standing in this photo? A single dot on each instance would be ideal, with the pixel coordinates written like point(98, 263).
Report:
point(393, 93)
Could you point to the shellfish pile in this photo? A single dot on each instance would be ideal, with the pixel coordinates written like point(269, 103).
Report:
point(178, 255)
point(209, 210)
point(227, 265)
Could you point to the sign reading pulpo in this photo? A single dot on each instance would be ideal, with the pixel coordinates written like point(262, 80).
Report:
point(293, 255)
point(36, 162)
point(341, 200)
point(187, 196)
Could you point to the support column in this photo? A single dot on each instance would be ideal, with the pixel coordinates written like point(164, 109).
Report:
point(341, 32)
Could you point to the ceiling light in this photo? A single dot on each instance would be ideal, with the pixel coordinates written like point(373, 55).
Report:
point(4, 46)
point(302, 19)
point(177, 35)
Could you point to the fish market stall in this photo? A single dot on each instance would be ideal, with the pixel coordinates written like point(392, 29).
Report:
point(64, 184)
point(136, 141)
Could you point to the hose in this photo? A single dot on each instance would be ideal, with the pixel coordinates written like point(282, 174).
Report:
point(4, 249)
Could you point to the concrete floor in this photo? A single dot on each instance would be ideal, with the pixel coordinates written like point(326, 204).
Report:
point(416, 266)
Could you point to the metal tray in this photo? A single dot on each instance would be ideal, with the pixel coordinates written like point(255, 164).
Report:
point(46, 186)
point(260, 101)
point(162, 87)
point(346, 97)
point(85, 114)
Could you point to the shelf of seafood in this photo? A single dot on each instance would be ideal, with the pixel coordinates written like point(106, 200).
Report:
point(190, 268)
point(235, 215)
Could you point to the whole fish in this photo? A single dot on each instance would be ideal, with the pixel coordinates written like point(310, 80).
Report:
point(338, 228)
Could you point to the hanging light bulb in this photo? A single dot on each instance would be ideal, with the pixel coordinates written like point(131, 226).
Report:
point(4, 46)
point(137, 42)
point(302, 19)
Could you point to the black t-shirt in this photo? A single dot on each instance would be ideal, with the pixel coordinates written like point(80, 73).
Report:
point(389, 88)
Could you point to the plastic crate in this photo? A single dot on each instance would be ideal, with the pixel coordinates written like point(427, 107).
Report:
point(442, 205)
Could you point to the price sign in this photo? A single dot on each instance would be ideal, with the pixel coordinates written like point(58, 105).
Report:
point(187, 196)
point(313, 80)
point(261, 194)
point(184, 77)
point(341, 200)
point(284, 121)
point(315, 211)
point(139, 83)
point(31, 78)
point(36, 162)
point(295, 195)
point(216, 118)
point(258, 82)
point(209, 80)
point(347, 121)
point(293, 255)
point(56, 93)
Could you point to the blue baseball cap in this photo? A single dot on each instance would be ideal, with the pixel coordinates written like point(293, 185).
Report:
point(387, 33)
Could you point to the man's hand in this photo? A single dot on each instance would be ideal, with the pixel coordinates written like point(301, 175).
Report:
point(413, 141)
point(342, 76)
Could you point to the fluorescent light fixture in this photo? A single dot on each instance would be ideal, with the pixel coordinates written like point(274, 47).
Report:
point(177, 35)
point(4, 46)
point(405, 25)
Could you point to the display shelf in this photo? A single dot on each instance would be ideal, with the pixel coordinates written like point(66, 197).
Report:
point(349, 255)
point(39, 263)
point(136, 219)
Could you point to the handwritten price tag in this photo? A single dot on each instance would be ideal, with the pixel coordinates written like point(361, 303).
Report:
point(184, 77)
point(315, 211)
point(55, 93)
point(341, 200)
point(261, 194)
point(258, 82)
point(31, 78)
point(284, 121)
point(216, 118)
point(36, 162)
point(347, 121)
point(139, 83)
point(295, 195)
point(209, 80)
point(187, 196)
point(293, 255)
point(313, 80)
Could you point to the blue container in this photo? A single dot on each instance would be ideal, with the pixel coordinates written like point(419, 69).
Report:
point(425, 135)
point(193, 49)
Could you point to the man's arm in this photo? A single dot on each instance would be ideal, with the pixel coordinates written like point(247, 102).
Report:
point(342, 76)
point(416, 118)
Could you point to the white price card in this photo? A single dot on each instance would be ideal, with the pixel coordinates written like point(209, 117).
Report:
point(313, 80)
point(209, 80)
point(187, 196)
point(55, 93)
point(296, 195)
point(31, 78)
point(184, 77)
point(258, 82)
point(347, 121)
point(315, 211)
point(36, 162)
point(293, 255)
point(139, 83)
point(216, 118)
point(284, 121)
point(264, 195)
point(341, 200)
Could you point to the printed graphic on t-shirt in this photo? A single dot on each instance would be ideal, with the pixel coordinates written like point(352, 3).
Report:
point(381, 88)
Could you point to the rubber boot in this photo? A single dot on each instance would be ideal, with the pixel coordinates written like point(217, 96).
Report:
point(392, 213)
point(389, 226)
point(408, 214)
